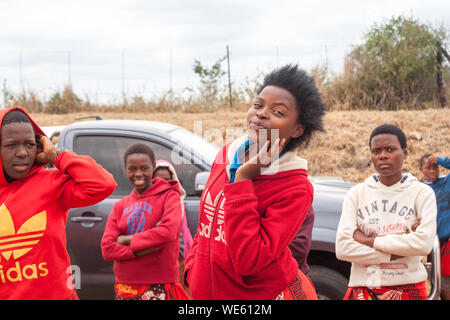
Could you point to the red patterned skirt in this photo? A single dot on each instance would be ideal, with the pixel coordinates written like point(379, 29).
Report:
point(168, 291)
point(445, 258)
point(415, 291)
point(301, 288)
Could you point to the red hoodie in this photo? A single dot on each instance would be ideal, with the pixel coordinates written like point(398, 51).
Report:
point(154, 219)
point(34, 263)
point(241, 249)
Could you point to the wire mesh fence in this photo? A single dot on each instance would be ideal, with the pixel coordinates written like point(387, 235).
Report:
point(109, 76)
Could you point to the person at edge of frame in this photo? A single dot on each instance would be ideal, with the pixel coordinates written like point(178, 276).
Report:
point(429, 166)
point(34, 262)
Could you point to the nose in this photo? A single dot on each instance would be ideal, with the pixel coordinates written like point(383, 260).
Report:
point(138, 173)
point(262, 113)
point(21, 151)
point(383, 154)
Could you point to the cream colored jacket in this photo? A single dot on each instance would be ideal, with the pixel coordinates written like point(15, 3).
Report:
point(387, 212)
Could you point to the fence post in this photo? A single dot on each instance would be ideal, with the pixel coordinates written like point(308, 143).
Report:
point(20, 74)
point(171, 70)
point(440, 76)
point(229, 78)
point(69, 65)
point(123, 78)
point(278, 56)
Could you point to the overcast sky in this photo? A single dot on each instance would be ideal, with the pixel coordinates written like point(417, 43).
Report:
point(103, 47)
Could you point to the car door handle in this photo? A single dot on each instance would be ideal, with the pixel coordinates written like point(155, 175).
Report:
point(82, 219)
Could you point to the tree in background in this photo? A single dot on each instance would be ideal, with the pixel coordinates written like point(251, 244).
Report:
point(65, 102)
point(210, 79)
point(395, 68)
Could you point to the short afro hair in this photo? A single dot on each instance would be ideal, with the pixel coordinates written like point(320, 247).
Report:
point(139, 148)
point(310, 105)
point(389, 129)
point(14, 116)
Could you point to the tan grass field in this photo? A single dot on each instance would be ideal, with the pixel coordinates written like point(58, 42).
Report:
point(341, 151)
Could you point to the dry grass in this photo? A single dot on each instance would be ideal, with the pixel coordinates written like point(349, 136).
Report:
point(341, 151)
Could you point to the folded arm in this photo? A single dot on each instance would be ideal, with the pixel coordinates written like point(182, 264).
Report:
point(349, 249)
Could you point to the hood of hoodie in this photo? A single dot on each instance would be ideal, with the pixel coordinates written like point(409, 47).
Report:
point(36, 129)
point(289, 161)
point(158, 186)
point(168, 165)
point(407, 181)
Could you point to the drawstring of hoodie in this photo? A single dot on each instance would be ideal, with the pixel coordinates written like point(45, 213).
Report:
point(239, 154)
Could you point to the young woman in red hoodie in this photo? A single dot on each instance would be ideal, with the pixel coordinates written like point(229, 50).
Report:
point(34, 203)
point(142, 233)
point(256, 198)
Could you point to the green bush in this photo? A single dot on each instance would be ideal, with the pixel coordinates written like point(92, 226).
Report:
point(395, 68)
point(65, 102)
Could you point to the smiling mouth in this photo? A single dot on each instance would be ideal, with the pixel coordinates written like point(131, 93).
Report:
point(139, 182)
point(256, 126)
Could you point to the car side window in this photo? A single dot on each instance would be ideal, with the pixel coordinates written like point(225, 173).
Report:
point(108, 151)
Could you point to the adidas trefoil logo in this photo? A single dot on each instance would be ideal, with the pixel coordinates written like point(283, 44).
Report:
point(210, 208)
point(21, 242)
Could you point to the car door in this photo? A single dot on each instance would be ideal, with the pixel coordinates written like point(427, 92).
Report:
point(85, 226)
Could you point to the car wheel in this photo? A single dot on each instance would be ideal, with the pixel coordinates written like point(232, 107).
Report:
point(329, 284)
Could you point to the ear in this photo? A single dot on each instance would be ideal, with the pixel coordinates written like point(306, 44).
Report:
point(405, 153)
point(297, 131)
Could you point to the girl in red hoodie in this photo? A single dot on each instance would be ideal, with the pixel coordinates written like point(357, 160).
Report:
point(142, 233)
point(34, 202)
point(256, 198)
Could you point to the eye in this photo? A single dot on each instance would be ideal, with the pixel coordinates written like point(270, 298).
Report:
point(278, 113)
point(257, 105)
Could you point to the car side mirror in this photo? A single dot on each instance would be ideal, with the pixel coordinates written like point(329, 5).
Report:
point(200, 182)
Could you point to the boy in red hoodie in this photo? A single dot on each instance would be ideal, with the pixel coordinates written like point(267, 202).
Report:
point(251, 207)
point(142, 233)
point(34, 263)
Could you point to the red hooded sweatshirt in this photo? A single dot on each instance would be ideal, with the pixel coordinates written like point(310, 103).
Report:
point(154, 220)
point(241, 249)
point(34, 263)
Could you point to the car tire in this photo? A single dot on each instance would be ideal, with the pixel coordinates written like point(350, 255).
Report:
point(329, 284)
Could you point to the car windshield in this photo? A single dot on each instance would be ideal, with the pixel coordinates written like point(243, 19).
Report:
point(208, 151)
